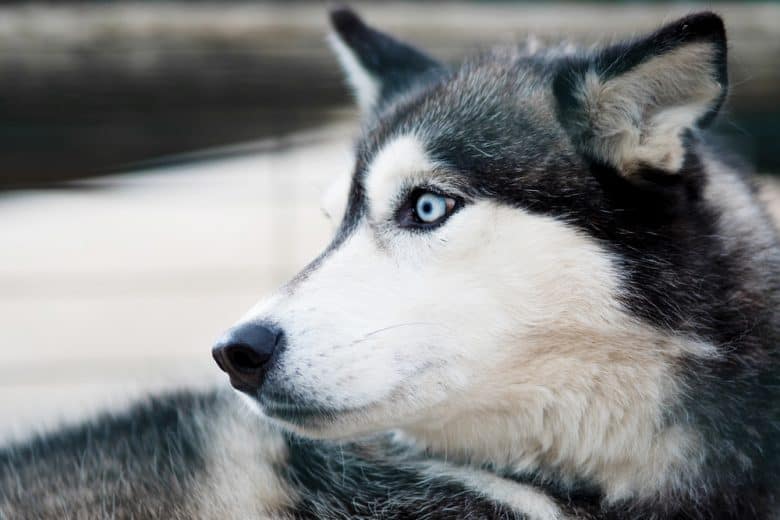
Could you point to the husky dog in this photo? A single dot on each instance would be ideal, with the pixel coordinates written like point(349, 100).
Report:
point(548, 297)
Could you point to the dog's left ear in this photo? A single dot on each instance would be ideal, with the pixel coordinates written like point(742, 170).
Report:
point(632, 105)
point(377, 66)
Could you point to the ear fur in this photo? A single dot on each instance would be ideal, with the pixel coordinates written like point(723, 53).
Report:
point(632, 105)
point(377, 66)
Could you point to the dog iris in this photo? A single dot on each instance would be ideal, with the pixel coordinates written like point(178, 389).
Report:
point(425, 209)
point(430, 207)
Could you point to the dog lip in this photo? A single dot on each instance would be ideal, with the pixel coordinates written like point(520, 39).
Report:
point(249, 390)
point(282, 407)
point(293, 412)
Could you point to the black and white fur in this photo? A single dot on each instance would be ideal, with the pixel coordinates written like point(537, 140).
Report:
point(592, 332)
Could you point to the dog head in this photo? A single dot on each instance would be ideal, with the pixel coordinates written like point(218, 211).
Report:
point(484, 291)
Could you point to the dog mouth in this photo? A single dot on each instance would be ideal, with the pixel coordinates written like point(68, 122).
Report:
point(289, 407)
point(293, 410)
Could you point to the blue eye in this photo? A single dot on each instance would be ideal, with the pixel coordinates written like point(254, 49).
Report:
point(430, 207)
point(425, 209)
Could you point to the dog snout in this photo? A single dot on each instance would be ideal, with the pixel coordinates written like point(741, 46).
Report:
point(244, 353)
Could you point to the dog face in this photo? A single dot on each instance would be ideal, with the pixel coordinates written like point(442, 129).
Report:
point(400, 317)
point(482, 290)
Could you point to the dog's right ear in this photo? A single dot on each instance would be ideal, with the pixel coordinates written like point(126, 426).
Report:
point(377, 66)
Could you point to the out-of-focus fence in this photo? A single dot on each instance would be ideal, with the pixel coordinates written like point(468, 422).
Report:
point(90, 88)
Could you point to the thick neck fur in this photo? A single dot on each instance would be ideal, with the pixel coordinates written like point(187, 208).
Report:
point(628, 451)
point(585, 424)
point(663, 474)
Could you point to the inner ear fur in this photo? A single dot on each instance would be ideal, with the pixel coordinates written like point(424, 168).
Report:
point(632, 105)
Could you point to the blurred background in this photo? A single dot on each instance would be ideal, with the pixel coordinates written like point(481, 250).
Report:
point(161, 165)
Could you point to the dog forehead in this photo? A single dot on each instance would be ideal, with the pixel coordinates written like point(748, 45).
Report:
point(401, 158)
point(496, 114)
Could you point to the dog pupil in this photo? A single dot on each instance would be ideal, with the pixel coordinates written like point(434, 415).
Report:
point(427, 207)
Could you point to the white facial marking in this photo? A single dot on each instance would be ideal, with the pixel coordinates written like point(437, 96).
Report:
point(402, 160)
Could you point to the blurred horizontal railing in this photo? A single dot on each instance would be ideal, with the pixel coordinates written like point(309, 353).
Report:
point(87, 89)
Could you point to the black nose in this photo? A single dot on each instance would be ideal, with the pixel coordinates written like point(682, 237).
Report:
point(244, 353)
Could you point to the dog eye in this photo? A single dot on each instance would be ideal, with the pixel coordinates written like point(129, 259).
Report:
point(426, 209)
point(430, 207)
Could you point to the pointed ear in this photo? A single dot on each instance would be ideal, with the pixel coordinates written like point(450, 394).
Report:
point(632, 105)
point(376, 65)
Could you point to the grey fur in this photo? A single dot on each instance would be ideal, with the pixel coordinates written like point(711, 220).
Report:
point(153, 462)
